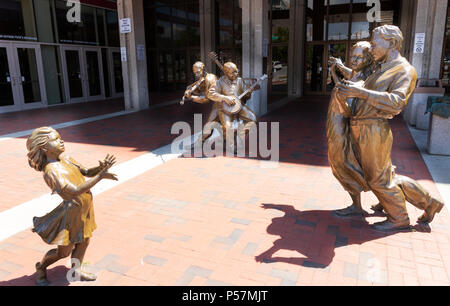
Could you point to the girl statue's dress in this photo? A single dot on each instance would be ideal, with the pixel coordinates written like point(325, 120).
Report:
point(73, 220)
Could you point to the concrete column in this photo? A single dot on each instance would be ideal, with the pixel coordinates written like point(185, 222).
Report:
point(207, 33)
point(296, 56)
point(407, 22)
point(430, 18)
point(254, 49)
point(134, 70)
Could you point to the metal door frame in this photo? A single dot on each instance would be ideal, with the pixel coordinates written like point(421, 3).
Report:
point(15, 75)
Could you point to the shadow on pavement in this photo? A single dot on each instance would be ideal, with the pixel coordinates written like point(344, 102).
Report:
point(316, 234)
point(56, 276)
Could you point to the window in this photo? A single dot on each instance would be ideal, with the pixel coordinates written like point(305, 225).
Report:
point(17, 20)
point(229, 31)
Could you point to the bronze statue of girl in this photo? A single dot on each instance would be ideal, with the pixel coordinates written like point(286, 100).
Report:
point(70, 225)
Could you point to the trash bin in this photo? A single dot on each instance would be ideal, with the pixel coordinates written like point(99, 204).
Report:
point(439, 128)
point(414, 113)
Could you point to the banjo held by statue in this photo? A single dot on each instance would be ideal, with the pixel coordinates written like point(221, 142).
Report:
point(237, 106)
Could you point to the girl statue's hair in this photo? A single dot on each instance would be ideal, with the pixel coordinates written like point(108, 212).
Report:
point(35, 143)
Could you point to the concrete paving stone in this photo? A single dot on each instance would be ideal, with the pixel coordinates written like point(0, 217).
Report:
point(287, 282)
point(107, 260)
point(154, 260)
point(190, 273)
point(350, 270)
point(10, 266)
point(250, 249)
point(253, 200)
point(154, 238)
point(240, 221)
point(212, 282)
point(284, 274)
point(4, 275)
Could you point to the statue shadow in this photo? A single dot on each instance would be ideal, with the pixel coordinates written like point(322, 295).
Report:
point(316, 234)
point(56, 277)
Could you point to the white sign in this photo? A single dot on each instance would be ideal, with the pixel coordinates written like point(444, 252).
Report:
point(123, 54)
point(140, 52)
point(419, 43)
point(125, 25)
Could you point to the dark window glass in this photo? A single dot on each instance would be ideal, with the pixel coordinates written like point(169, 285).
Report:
point(93, 71)
point(338, 19)
point(117, 69)
point(17, 20)
point(281, 5)
point(112, 24)
point(74, 74)
point(101, 26)
point(314, 68)
point(82, 32)
point(29, 75)
point(225, 17)
point(6, 97)
point(172, 30)
point(316, 24)
point(229, 31)
point(106, 72)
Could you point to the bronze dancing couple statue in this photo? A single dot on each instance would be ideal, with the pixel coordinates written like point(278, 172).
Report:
point(376, 88)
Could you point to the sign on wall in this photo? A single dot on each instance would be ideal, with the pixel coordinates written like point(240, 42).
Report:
point(123, 54)
point(140, 52)
point(125, 25)
point(419, 43)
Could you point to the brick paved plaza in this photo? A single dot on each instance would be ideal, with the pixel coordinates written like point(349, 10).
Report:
point(222, 220)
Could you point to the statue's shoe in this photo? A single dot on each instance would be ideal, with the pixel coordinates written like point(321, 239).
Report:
point(388, 226)
point(434, 208)
point(349, 211)
point(41, 276)
point(86, 276)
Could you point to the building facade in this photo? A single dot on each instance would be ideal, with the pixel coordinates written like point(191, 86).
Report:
point(48, 59)
point(54, 52)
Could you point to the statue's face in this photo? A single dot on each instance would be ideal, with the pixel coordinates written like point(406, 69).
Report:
point(231, 73)
point(54, 145)
point(380, 47)
point(358, 60)
point(198, 72)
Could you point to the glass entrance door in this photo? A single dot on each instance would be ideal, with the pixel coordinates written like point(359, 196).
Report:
point(83, 74)
point(318, 75)
point(314, 66)
point(31, 90)
point(7, 87)
point(93, 74)
point(21, 77)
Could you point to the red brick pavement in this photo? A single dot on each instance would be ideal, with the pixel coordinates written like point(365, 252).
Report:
point(26, 120)
point(125, 136)
point(229, 221)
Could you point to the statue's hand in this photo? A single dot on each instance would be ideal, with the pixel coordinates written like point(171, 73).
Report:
point(352, 90)
point(230, 101)
point(109, 176)
point(108, 162)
